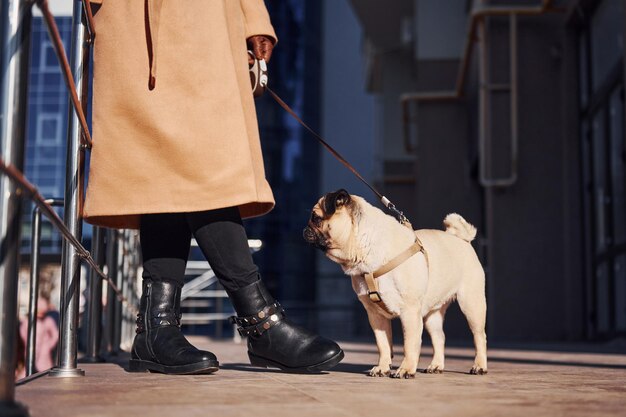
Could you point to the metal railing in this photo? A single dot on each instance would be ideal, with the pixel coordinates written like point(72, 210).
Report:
point(33, 296)
point(121, 247)
point(204, 296)
point(114, 251)
point(16, 23)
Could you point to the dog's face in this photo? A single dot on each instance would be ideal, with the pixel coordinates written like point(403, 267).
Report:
point(332, 222)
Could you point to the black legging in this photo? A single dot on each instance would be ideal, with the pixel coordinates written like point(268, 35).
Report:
point(166, 239)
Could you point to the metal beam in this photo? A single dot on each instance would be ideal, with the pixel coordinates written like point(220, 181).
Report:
point(70, 259)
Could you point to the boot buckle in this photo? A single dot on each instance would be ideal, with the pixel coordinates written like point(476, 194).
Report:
point(258, 323)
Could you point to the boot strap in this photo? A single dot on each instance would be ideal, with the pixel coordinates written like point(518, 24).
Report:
point(258, 323)
point(158, 320)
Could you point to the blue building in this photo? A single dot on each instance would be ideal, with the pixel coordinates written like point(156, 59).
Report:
point(292, 159)
point(46, 127)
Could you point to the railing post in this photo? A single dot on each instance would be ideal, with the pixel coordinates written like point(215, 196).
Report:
point(124, 287)
point(35, 242)
point(70, 261)
point(94, 338)
point(117, 305)
point(16, 20)
point(131, 278)
point(111, 261)
point(35, 239)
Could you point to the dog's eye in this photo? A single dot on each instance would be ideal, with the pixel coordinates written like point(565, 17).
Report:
point(315, 219)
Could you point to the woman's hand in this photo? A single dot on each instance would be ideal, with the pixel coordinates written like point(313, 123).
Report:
point(261, 46)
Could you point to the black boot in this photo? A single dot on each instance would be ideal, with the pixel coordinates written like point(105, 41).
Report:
point(273, 340)
point(159, 344)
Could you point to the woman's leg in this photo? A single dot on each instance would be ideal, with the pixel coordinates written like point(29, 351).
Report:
point(159, 344)
point(272, 339)
point(223, 240)
point(165, 242)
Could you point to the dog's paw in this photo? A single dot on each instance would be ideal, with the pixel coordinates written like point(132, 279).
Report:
point(403, 373)
point(477, 370)
point(378, 371)
point(434, 369)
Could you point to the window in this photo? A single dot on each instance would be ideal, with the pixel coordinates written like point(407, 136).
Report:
point(604, 165)
point(48, 129)
point(48, 61)
point(607, 40)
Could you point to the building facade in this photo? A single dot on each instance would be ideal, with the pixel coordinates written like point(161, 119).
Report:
point(291, 159)
point(46, 126)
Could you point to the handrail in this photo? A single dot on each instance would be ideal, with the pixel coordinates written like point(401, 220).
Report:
point(35, 240)
point(15, 29)
point(30, 191)
point(478, 14)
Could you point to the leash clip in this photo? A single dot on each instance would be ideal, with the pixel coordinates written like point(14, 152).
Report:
point(258, 75)
point(399, 215)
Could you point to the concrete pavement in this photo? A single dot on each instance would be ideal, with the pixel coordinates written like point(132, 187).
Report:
point(519, 383)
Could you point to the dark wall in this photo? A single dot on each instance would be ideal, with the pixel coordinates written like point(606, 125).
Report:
point(444, 170)
point(530, 220)
point(529, 234)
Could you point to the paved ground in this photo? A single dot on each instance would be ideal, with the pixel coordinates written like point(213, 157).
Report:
point(519, 383)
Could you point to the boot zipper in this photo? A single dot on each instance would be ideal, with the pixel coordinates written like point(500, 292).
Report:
point(148, 319)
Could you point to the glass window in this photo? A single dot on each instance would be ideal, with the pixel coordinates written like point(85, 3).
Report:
point(48, 129)
point(618, 166)
point(602, 297)
point(599, 180)
point(51, 107)
point(46, 182)
point(607, 39)
point(601, 51)
point(53, 82)
point(620, 292)
point(50, 153)
point(583, 56)
point(48, 61)
point(50, 192)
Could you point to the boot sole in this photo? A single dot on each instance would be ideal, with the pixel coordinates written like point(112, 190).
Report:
point(204, 367)
point(310, 369)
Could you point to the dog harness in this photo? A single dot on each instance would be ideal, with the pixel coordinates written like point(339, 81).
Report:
point(370, 278)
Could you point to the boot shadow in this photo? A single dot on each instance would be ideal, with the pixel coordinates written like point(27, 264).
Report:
point(351, 368)
point(246, 367)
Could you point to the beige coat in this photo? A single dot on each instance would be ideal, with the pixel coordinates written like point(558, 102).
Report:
point(174, 123)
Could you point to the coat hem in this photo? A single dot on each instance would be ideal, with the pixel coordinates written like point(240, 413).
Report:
point(129, 219)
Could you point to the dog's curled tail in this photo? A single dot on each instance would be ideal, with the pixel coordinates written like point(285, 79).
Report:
point(458, 226)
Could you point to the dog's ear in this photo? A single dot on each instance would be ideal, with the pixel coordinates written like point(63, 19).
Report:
point(333, 201)
point(342, 198)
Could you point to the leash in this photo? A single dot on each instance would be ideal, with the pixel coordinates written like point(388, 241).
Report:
point(259, 79)
point(399, 215)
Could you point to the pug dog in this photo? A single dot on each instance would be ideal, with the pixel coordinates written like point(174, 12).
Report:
point(361, 239)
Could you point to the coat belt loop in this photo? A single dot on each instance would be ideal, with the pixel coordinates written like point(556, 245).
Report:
point(153, 10)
